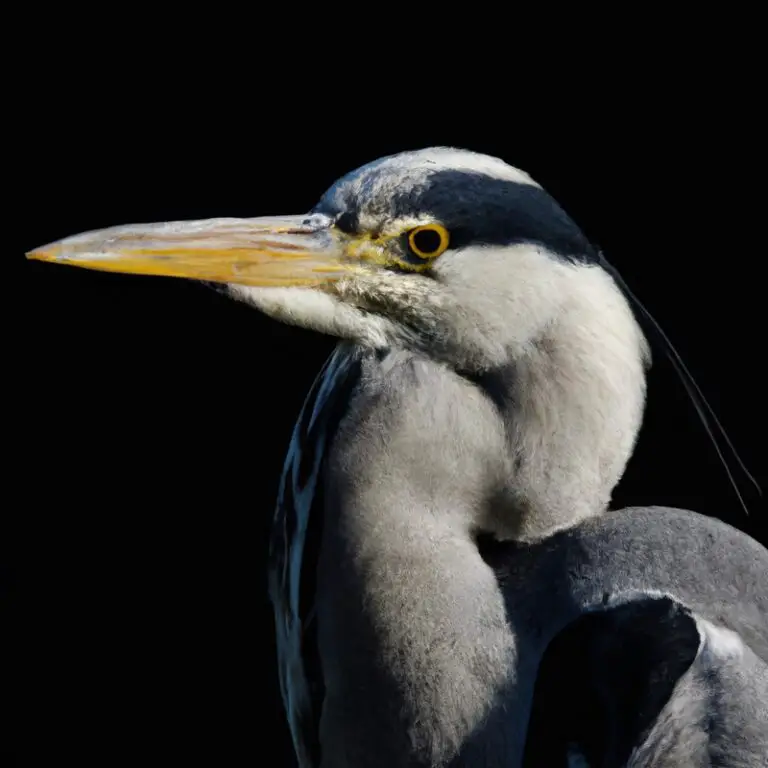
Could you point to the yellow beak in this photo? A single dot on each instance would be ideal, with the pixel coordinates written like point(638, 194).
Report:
point(289, 250)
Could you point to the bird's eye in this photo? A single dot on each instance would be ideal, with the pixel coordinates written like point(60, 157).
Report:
point(347, 223)
point(428, 241)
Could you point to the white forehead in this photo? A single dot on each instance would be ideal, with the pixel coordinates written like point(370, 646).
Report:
point(449, 159)
point(372, 185)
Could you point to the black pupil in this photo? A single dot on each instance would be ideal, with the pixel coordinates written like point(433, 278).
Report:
point(427, 241)
point(347, 223)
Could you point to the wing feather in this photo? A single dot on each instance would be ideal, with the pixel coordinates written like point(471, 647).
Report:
point(294, 544)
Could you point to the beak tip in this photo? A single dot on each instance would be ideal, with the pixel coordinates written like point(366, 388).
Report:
point(44, 253)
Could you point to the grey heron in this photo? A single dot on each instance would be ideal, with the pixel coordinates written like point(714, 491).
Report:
point(442, 518)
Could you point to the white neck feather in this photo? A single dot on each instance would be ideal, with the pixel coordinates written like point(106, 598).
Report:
point(577, 401)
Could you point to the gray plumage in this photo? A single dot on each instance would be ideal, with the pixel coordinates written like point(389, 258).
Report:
point(507, 404)
point(429, 652)
point(442, 519)
point(717, 712)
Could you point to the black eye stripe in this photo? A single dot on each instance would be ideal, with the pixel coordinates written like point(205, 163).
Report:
point(475, 208)
point(479, 209)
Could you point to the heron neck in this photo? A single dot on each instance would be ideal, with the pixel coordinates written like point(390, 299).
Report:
point(417, 618)
point(404, 601)
point(572, 403)
point(422, 460)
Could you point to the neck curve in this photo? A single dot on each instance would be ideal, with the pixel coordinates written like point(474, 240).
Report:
point(416, 643)
point(407, 608)
point(572, 404)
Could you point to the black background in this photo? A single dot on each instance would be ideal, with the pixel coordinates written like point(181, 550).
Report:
point(156, 413)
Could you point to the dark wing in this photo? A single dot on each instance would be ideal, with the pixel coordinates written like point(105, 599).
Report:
point(604, 681)
point(664, 662)
point(648, 684)
point(294, 548)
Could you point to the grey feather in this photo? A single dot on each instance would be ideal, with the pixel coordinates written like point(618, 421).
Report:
point(498, 396)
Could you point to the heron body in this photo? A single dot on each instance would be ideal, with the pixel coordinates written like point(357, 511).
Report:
point(442, 517)
point(484, 622)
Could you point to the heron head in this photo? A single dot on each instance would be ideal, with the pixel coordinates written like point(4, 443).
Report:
point(452, 252)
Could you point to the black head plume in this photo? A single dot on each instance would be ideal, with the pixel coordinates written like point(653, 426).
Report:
point(704, 410)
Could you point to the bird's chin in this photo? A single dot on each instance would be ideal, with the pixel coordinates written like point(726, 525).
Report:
point(382, 310)
point(320, 310)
